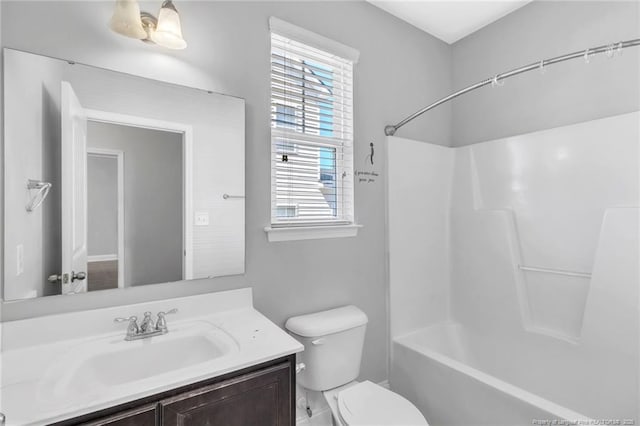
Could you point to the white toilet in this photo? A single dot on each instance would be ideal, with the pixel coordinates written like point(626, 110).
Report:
point(333, 342)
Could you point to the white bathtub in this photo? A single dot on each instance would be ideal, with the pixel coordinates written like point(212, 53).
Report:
point(461, 377)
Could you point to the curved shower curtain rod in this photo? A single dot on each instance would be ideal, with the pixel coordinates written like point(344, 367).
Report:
point(609, 49)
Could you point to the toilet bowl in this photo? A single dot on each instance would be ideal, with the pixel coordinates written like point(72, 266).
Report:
point(369, 404)
point(333, 342)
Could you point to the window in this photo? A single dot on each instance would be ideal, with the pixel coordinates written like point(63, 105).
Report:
point(311, 130)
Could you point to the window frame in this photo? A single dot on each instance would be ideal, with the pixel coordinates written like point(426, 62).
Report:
point(303, 228)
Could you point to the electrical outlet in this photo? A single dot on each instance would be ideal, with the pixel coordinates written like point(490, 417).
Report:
point(202, 218)
point(19, 259)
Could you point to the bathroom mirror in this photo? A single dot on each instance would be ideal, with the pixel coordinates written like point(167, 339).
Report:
point(113, 180)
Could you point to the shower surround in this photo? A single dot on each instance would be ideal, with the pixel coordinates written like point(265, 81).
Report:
point(514, 275)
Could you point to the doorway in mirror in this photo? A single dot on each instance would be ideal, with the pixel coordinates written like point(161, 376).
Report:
point(105, 218)
point(135, 205)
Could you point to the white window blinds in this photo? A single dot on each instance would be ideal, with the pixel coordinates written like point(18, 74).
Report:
point(311, 135)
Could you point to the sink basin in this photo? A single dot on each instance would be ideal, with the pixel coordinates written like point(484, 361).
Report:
point(110, 361)
point(155, 357)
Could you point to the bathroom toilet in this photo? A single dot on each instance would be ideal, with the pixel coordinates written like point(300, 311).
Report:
point(333, 342)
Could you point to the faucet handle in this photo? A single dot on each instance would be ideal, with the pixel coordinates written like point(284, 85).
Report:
point(161, 323)
point(132, 328)
point(130, 319)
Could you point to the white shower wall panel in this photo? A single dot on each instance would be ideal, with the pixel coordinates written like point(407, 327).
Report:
point(560, 199)
point(419, 187)
point(566, 199)
point(541, 200)
point(558, 183)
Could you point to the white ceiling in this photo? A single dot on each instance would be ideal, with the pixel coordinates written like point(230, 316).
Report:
point(449, 20)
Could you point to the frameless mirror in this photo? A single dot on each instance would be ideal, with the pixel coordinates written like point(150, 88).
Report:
point(113, 180)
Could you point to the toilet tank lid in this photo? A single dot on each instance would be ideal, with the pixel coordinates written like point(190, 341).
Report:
point(326, 322)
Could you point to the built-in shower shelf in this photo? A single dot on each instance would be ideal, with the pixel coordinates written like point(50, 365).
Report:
point(555, 271)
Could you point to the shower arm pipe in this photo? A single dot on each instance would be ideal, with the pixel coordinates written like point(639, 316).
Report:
point(392, 129)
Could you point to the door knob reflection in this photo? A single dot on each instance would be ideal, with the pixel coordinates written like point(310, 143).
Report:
point(78, 276)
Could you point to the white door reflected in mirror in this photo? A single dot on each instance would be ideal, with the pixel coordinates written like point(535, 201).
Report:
point(122, 222)
point(74, 192)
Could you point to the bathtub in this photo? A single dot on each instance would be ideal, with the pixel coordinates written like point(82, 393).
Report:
point(457, 376)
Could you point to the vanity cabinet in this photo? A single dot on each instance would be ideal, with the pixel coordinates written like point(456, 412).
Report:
point(263, 395)
point(260, 398)
point(143, 416)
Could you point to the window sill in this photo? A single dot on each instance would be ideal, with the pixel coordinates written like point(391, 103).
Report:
point(295, 233)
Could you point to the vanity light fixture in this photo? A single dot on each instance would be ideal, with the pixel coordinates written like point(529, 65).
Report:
point(165, 30)
point(126, 20)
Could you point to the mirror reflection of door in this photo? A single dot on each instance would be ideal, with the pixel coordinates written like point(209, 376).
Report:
point(74, 192)
point(136, 205)
point(123, 222)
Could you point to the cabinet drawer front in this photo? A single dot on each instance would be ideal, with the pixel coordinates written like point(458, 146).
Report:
point(143, 416)
point(259, 398)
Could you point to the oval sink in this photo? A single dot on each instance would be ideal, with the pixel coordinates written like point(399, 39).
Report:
point(151, 358)
point(111, 361)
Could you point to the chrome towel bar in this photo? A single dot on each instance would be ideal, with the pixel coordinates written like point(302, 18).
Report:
point(227, 196)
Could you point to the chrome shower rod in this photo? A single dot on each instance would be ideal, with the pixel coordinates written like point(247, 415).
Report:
point(609, 48)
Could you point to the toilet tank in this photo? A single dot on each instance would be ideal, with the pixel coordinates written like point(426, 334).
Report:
point(333, 343)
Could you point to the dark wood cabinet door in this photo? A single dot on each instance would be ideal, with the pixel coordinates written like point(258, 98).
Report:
point(261, 398)
point(142, 416)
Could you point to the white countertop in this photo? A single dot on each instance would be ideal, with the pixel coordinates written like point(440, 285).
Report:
point(35, 350)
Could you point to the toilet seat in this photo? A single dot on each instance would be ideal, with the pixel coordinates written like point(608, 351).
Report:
point(368, 404)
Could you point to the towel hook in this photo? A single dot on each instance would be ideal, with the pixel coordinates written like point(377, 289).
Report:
point(37, 199)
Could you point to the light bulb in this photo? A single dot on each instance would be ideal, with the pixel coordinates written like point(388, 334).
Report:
point(168, 32)
point(126, 20)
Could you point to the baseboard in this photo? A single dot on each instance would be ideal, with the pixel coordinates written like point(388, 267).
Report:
point(102, 258)
point(384, 384)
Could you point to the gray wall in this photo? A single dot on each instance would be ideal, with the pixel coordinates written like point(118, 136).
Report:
point(1, 168)
point(400, 69)
point(567, 93)
point(152, 200)
point(33, 154)
point(102, 205)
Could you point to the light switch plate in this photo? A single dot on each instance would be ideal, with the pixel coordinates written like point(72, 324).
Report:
point(202, 218)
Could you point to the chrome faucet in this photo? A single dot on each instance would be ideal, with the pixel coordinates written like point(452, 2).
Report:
point(146, 328)
point(147, 324)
